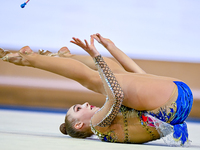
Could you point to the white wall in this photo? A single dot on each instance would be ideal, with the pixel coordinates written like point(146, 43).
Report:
point(147, 29)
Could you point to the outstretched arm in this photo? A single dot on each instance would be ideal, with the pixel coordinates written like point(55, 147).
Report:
point(128, 64)
point(115, 95)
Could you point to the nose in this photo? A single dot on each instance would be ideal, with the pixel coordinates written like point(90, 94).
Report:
point(86, 104)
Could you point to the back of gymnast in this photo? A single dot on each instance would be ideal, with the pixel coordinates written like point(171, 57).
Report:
point(139, 107)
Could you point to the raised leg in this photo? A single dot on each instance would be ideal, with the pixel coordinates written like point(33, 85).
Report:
point(66, 67)
point(85, 59)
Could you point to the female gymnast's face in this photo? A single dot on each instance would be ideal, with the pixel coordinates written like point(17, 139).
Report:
point(82, 112)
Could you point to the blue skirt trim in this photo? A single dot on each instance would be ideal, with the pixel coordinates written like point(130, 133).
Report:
point(179, 111)
point(183, 103)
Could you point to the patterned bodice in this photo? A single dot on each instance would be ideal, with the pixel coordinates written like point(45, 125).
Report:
point(157, 123)
point(113, 107)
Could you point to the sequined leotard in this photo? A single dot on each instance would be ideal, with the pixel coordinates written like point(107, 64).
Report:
point(123, 118)
point(117, 123)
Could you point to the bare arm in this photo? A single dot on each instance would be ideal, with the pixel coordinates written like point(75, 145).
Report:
point(128, 64)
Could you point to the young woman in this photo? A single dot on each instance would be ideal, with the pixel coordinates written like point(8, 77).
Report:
point(139, 107)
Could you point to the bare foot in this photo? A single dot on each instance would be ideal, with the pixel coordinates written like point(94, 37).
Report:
point(43, 52)
point(64, 52)
point(17, 59)
point(3, 52)
point(26, 50)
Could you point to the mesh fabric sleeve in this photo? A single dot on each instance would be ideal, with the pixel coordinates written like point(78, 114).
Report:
point(115, 95)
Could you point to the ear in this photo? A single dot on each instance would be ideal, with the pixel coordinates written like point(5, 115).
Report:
point(78, 125)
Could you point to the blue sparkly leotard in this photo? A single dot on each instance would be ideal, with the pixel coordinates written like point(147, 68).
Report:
point(176, 113)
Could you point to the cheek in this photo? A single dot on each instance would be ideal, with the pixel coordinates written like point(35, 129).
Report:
point(86, 114)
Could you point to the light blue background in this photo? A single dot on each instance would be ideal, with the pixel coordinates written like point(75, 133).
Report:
point(143, 29)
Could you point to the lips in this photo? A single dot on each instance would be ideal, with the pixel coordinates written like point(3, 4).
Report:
point(91, 107)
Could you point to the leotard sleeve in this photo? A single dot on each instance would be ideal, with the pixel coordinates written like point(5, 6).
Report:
point(115, 95)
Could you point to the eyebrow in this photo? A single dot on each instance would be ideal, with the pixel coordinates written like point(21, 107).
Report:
point(74, 107)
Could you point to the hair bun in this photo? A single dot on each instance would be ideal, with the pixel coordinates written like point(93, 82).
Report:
point(63, 129)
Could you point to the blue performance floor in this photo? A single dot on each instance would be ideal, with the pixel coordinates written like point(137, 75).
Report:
point(29, 128)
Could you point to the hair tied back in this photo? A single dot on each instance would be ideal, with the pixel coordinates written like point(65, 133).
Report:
point(63, 129)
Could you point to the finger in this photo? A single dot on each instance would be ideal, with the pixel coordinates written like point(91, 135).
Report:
point(96, 38)
point(98, 35)
point(86, 43)
point(78, 40)
point(92, 40)
point(73, 42)
point(75, 39)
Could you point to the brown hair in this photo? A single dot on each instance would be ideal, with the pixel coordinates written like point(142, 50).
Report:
point(68, 128)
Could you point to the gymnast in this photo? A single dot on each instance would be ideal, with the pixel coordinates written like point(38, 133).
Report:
point(139, 107)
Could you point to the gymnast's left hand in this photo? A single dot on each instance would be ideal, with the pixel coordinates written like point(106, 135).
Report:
point(89, 48)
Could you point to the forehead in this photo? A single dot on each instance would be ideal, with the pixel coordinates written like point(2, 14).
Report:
point(71, 110)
